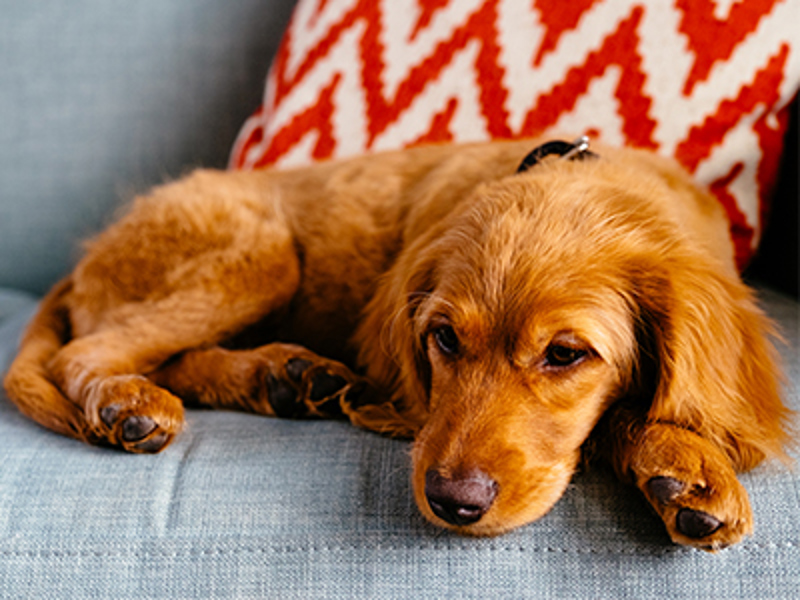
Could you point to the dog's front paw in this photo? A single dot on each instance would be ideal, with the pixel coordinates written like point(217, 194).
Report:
point(131, 412)
point(693, 488)
point(297, 383)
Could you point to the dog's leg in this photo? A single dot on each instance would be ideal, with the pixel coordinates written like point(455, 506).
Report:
point(282, 380)
point(104, 372)
point(186, 269)
point(688, 481)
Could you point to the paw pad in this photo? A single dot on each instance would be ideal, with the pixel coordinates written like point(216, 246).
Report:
point(154, 444)
point(696, 524)
point(295, 368)
point(324, 384)
point(136, 414)
point(283, 398)
point(303, 393)
point(109, 414)
point(137, 427)
point(665, 489)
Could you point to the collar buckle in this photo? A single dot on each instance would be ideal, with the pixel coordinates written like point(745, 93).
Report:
point(577, 150)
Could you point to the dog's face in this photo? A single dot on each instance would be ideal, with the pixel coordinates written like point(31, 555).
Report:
point(525, 331)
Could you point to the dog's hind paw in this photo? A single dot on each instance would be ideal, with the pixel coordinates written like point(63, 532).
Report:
point(135, 414)
point(693, 488)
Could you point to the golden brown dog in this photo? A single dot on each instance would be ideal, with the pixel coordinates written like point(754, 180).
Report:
point(500, 315)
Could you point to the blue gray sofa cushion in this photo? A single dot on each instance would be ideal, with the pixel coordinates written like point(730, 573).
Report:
point(246, 506)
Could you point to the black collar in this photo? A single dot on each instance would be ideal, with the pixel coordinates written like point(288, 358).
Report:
point(579, 149)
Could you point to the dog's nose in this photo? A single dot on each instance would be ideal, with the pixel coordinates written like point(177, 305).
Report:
point(460, 500)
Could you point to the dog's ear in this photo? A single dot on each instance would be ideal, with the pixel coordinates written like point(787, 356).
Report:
point(716, 368)
point(391, 346)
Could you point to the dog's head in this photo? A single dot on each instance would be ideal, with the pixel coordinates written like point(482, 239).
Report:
point(520, 318)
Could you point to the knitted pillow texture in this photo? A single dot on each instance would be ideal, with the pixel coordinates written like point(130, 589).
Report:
point(706, 82)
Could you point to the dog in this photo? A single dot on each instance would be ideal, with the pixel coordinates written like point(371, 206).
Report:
point(504, 304)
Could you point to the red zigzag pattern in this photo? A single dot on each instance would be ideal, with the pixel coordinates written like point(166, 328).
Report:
point(283, 122)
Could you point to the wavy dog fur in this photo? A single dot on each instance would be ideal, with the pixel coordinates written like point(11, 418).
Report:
point(502, 319)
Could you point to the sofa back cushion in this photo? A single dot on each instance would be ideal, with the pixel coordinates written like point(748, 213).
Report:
point(100, 100)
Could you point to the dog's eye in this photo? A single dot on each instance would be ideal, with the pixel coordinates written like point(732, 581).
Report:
point(446, 339)
point(558, 355)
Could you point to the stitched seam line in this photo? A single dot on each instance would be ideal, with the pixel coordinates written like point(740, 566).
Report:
point(55, 553)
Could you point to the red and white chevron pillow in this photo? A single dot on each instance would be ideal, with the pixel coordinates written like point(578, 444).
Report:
point(705, 81)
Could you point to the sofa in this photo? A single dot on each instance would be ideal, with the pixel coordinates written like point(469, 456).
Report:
point(101, 100)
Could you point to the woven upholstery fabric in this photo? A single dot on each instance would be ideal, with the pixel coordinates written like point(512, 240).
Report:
point(705, 82)
point(101, 100)
point(241, 506)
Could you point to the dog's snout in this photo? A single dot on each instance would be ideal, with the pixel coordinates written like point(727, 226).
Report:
point(460, 500)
